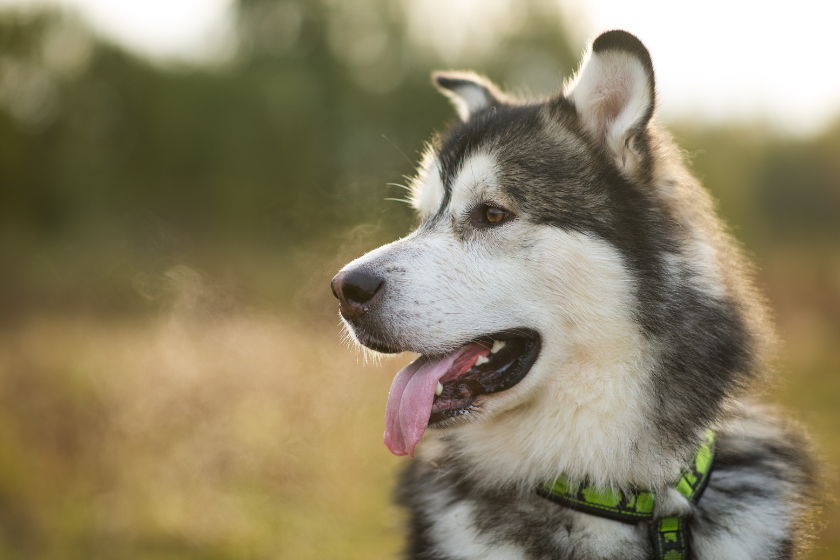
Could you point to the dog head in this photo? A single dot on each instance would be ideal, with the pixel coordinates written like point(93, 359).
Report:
point(567, 289)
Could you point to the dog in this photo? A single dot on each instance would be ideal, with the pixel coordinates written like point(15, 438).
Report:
point(588, 336)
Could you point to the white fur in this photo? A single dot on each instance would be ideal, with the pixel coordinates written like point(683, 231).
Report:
point(475, 182)
point(426, 187)
point(612, 94)
point(604, 538)
point(456, 537)
point(587, 381)
point(586, 392)
point(472, 95)
point(753, 526)
point(700, 261)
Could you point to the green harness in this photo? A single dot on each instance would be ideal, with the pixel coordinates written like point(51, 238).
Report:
point(669, 535)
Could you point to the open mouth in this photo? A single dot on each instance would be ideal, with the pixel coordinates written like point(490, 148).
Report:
point(430, 389)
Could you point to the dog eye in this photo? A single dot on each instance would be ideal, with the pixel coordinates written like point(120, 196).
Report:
point(494, 215)
point(485, 215)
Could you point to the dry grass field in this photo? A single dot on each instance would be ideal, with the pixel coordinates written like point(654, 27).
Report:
point(191, 437)
point(204, 434)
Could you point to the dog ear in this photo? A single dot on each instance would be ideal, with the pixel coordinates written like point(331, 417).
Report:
point(614, 95)
point(469, 92)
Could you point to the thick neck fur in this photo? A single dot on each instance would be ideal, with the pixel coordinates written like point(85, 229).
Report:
point(600, 432)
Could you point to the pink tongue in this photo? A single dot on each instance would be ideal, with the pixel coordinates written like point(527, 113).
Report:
point(413, 392)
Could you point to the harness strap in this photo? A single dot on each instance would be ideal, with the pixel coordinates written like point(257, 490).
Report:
point(669, 538)
point(669, 535)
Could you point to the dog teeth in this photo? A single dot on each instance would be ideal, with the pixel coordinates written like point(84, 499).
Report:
point(481, 360)
point(438, 389)
point(497, 345)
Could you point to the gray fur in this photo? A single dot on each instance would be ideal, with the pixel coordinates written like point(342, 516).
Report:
point(640, 260)
point(754, 507)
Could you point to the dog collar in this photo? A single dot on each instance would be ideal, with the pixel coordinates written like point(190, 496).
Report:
point(668, 534)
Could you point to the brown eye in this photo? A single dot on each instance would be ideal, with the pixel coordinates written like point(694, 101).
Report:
point(494, 215)
point(486, 216)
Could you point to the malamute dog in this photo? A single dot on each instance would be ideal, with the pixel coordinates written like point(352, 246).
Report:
point(587, 338)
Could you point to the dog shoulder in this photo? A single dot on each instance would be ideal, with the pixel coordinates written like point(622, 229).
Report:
point(762, 493)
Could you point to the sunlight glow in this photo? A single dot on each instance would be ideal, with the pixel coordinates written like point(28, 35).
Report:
point(165, 30)
point(737, 60)
point(719, 61)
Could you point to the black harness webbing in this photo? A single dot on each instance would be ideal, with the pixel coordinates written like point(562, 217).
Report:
point(669, 535)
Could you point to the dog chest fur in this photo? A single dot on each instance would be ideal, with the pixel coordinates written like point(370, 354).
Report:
point(746, 512)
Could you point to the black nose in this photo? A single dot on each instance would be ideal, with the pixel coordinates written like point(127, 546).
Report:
point(355, 288)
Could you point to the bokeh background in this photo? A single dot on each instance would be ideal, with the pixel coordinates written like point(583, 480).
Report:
point(178, 184)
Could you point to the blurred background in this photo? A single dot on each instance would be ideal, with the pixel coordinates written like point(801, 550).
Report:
point(180, 179)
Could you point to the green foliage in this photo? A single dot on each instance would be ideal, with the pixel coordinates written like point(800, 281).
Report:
point(285, 143)
point(777, 190)
point(303, 135)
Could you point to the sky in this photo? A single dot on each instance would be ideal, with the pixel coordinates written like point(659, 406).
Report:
point(720, 60)
point(191, 30)
point(735, 59)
